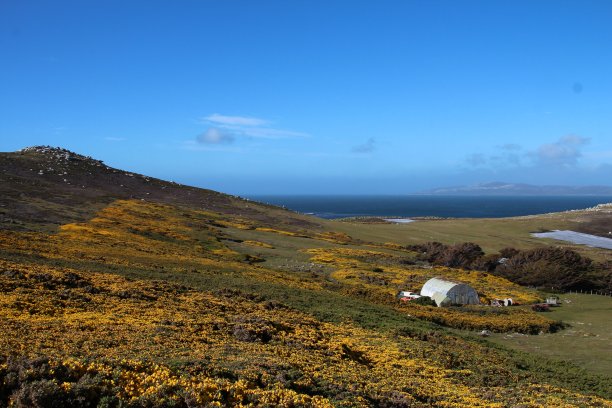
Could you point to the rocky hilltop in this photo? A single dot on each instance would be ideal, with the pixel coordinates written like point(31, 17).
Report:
point(42, 187)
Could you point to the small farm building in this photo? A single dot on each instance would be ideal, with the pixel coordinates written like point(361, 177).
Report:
point(445, 292)
point(408, 295)
point(552, 301)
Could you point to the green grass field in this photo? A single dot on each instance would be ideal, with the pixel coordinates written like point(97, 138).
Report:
point(588, 340)
point(491, 234)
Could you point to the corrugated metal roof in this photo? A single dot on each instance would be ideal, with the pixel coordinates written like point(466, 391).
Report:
point(446, 292)
point(437, 285)
point(440, 299)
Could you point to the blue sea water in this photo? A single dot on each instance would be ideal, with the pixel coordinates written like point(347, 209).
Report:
point(429, 205)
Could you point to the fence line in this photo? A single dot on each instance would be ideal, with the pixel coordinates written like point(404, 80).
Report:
point(591, 292)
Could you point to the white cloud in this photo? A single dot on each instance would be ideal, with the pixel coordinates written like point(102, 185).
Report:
point(226, 129)
point(270, 133)
point(235, 120)
point(565, 152)
point(215, 136)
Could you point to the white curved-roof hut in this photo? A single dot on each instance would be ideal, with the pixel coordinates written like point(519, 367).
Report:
point(445, 292)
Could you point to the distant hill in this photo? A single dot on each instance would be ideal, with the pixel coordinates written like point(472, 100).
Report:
point(501, 188)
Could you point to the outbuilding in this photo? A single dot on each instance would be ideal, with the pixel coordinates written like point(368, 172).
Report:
point(445, 292)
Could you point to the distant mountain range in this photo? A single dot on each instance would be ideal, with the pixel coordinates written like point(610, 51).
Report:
point(501, 188)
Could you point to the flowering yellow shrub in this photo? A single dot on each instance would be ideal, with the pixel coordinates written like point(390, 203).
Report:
point(281, 232)
point(482, 317)
point(258, 244)
point(409, 277)
point(375, 271)
point(334, 237)
point(128, 332)
point(393, 245)
point(146, 342)
point(241, 224)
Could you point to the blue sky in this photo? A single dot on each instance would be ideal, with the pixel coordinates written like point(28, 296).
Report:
point(348, 97)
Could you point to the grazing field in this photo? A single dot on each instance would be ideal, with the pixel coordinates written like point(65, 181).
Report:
point(491, 234)
point(588, 340)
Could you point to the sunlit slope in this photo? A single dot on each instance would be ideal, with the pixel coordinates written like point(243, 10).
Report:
point(152, 303)
point(143, 239)
point(124, 290)
point(587, 341)
point(152, 341)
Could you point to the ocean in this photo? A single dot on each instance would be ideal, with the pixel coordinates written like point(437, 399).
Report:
point(330, 207)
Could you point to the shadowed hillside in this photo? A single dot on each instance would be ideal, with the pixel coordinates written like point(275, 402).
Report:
point(43, 187)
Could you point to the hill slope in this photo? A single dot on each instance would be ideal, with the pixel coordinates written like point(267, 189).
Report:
point(43, 187)
point(218, 301)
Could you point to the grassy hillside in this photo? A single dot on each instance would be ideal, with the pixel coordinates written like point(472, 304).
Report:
point(222, 302)
point(587, 341)
point(43, 187)
point(491, 234)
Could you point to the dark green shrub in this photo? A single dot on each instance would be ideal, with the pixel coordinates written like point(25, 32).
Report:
point(424, 301)
point(39, 394)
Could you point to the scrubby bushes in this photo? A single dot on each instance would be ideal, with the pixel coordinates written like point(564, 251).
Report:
point(36, 383)
point(500, 320)
point(424, 301)
point(462, 255)
point(547, 267)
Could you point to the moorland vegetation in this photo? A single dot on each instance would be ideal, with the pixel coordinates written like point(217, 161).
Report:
point(198, 299)
point(553, 268)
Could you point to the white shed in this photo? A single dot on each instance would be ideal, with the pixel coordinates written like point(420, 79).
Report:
point(445, 292)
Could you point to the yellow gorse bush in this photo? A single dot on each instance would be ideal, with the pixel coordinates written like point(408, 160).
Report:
point(151, 340)
point(382, 278)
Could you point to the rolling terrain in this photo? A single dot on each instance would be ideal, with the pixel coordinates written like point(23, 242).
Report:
point(117, 289)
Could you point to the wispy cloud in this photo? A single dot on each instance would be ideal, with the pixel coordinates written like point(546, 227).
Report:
point(269, 133)
point(564, 153)
point(368, 147)
point(249, 127)
point(599, 155)
point(215, 136)
point(235, 120)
